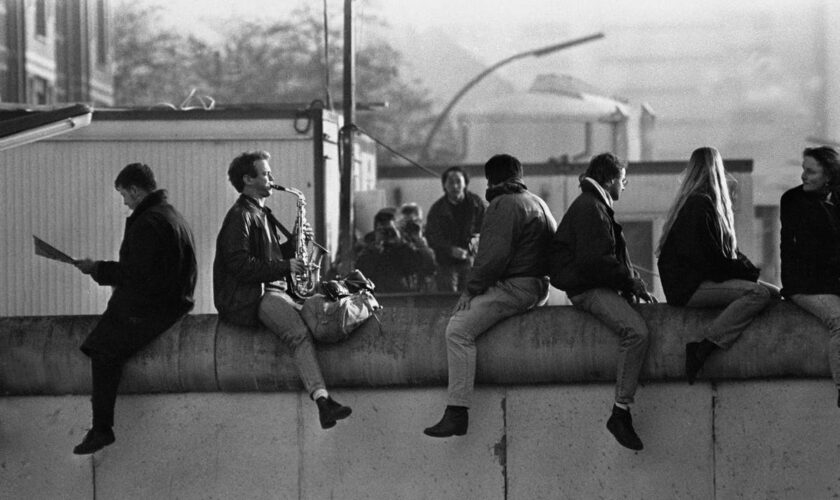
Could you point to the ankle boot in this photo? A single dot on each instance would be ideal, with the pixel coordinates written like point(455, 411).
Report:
point(330, 411)
point(620, 425)
point(696, 354)
point(454, 423)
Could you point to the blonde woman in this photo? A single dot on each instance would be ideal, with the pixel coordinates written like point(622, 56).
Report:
point(699, 261)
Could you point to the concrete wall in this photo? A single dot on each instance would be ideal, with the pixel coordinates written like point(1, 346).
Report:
point(406, 347)
point(215, 413)
point(754, 439)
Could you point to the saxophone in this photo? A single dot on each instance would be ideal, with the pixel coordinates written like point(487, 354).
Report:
point(304, 284)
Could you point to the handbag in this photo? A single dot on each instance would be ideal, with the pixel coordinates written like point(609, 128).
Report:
point(344, 306)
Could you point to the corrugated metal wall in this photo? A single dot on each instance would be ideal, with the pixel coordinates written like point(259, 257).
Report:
point(62, 191)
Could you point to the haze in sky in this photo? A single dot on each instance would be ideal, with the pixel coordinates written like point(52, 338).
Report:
point(486, 27)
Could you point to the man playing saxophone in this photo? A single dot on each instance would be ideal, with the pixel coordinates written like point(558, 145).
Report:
point(249, 273)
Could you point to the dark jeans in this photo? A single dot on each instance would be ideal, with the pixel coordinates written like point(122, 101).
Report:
point(620, 317)
point(106, 376)
point(742, 301)
point(114, 340)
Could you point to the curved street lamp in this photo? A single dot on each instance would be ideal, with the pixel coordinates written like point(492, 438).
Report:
point(531, 53)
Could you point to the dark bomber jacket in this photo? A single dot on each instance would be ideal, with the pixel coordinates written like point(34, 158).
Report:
point(515, 239)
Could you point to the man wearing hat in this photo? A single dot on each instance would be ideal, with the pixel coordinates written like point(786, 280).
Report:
point(509, 276)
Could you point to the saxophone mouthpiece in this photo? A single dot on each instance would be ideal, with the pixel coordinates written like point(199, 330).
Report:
point(278, 187)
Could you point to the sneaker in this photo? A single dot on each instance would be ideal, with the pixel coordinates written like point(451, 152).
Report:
point(94, 440)
point(455, 422)
point(330, 411)
point(620, 425)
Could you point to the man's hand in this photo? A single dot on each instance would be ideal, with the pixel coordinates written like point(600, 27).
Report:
point(296, 266)
point(86, 266)
point(463, 303)
point(639, 290)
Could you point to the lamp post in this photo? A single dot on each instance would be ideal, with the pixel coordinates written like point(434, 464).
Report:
point(424, 153)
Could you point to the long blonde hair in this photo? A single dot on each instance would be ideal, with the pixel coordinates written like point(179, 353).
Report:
point(705, 176)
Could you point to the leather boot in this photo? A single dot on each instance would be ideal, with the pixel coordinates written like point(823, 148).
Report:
point(620, 425)
point(330, 411)
point(696, 354)
point(454, 423)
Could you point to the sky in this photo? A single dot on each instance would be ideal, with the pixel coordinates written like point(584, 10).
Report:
point(427, 13)
point(480, 25)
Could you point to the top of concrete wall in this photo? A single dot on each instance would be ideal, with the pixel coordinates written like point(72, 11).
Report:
point(407, 348)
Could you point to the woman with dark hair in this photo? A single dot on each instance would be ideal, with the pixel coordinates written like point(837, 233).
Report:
point(811, 244)
point(699, 261)
point(452, 228)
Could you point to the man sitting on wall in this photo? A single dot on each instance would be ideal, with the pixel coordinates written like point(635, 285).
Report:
point(153, 283)
point(591, 264)
point(510, 276)
point(249, 275)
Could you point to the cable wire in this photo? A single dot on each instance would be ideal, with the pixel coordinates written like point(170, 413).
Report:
point(396, 153)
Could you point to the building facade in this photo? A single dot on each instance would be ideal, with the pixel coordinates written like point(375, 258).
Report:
point(55, 52)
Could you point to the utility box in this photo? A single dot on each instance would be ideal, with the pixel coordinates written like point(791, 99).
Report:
point(62, 190)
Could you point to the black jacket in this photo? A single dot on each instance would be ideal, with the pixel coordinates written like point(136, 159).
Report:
point(245, 261)
point(442, 231)
point(153, 280)
point(810, 246)
point(588, 249)
point(692, 253)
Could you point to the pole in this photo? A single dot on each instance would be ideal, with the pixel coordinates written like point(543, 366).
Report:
point(424, 154)
point(345, 232)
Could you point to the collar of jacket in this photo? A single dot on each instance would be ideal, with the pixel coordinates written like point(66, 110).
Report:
point(154, 198)
point(508, 187)
point(249, 202)
point(589, 184)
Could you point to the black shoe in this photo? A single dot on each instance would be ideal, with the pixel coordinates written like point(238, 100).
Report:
point(94, 440)
point(696, 354)
point(693, 364)
point(620, 425)
point(330, 411)
point(455, 422)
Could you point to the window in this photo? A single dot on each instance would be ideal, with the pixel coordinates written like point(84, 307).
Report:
point(41, 17)
point(40, 91)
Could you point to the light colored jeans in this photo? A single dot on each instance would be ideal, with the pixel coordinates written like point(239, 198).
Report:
point(615, 312)
point(743, 300)
point(502, 300)
point(278, 314)
point(826, 307)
